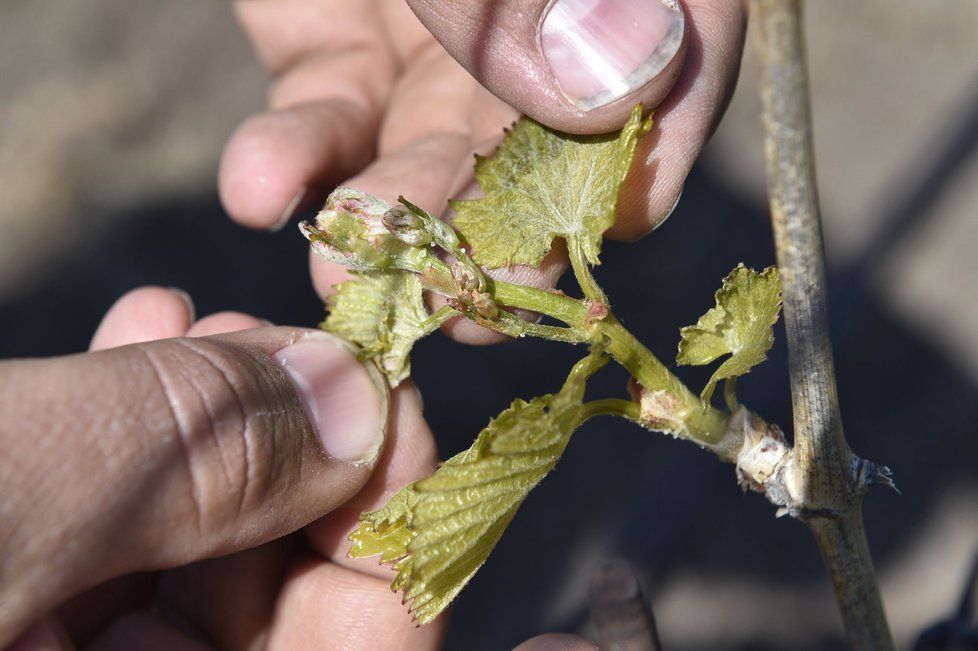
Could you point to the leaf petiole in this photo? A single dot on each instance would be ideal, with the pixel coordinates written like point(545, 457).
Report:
point(612, 407)
point(513, 326)
point(582, 271)
point(437, 319)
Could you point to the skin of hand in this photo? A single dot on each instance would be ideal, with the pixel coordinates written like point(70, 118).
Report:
point(394, 97)
point(154, 489)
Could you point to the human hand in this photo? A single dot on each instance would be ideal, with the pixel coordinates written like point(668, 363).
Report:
point(363, 87)
point(157, 486)
point(161, 454)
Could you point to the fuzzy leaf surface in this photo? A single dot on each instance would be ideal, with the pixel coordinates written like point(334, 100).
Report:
point(740, 325)
point(543, 184)
point(384, 313)
point(438, 531)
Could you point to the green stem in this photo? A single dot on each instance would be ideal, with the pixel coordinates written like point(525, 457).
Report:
point(612, 407)
point(730, 393)
point(582, 272)
point(704, 423)
point(553, 333)
point(514, 326)
point(437, 319)
point(570, 310)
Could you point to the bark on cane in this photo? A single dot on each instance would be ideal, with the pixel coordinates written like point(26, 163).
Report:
point(833, 499)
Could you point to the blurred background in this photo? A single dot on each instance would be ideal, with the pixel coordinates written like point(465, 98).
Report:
point(112, 118)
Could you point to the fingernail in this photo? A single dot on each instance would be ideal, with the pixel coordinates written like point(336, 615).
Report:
point(600, 50)
point(289, 211)
point(345, 401)
point(186, 299)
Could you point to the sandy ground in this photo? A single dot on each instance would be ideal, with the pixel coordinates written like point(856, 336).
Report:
point(109, 106)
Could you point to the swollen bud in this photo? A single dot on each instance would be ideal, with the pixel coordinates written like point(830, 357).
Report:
point(406, 226)
point(351, 230)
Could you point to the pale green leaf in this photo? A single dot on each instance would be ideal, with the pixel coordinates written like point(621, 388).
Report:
point(740, 325)
point(543, 184)
point(384, 313)
point(440, 530)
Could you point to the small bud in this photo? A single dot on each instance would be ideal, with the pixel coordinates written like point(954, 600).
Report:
point(596, 311)
point(485, 306)
point(406, 226)
point(470, 290)
point(466, 279)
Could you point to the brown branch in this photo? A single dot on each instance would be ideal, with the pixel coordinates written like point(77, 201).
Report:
point(833, 478)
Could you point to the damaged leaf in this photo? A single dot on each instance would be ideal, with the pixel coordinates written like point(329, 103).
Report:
point(384, 313)
point(740, 325)
point(438, 531)
point(350, 231)
point(543, 184)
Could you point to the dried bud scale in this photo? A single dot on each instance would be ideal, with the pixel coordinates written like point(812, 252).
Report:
point(470, 290)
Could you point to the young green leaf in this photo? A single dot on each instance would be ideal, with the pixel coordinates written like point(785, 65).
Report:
point(384, 313)
point(740, 325)
point(543, 184)
point(438, 531)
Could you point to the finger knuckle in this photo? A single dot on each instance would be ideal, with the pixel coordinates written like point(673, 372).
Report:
point(227, 413)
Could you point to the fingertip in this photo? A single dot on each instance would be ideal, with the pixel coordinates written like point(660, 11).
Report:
point(223, 322)
point(409, 455)
point(46, 635)
point(326, 275)
point(557, 642)
point(319, 599)
point(260, 182)
point(280, 162)
point(144, 314)
point(607, 55)
point(647, 198)
point(346, 401)
point(685, 121)
point(573, 65)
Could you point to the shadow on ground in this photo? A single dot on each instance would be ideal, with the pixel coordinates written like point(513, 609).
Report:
point(619, 491)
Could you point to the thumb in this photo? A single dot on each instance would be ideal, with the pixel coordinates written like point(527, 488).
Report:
point(574, 65)
point(158, 454)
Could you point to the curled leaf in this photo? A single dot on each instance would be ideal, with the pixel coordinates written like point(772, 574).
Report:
point(350, 231)
point(747, 306)
point(543, 184)
point(384, 313)
point(438, 531)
